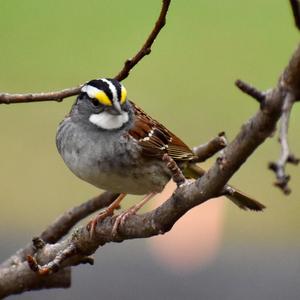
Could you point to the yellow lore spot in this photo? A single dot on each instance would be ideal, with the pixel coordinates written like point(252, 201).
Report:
point(123, 94)
point(103, 98)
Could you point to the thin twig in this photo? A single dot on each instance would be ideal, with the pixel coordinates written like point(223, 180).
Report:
point(58, 96)
point(207, 150)
point(54, 265)
point(286, 156)
point(296, 12)
point(146, 48)
point(6, 98)
point(251, 91)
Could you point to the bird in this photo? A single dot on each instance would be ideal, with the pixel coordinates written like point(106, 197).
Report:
point(111, 143)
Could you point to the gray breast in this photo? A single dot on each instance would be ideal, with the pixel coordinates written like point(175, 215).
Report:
point(109, 160)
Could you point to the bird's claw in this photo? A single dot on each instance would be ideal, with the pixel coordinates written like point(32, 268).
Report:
point(97, 219)
point(120, 220)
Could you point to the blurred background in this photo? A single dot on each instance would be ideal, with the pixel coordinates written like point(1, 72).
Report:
point(216, 251)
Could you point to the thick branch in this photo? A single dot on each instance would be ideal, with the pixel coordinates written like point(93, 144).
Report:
point(253, 133)
point(160, 220)
point(211, 184)
point(62, 225)
point(6, 98)
point(59, 228)
point(76, 248)
point(290, 79)
point(24, 281)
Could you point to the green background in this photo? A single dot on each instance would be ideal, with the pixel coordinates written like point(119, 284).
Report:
point(187, 83)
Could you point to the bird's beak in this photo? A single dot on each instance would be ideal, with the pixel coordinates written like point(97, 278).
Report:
point(115, 109)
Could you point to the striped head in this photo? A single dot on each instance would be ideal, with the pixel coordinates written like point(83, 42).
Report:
point(108, 100)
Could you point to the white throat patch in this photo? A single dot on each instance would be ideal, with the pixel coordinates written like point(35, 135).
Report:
point(108, 121)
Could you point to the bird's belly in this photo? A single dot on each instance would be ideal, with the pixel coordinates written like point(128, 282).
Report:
point(122, 170)
point(136, 181)
point(128, 179)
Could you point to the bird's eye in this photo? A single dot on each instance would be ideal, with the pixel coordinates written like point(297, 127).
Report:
point(95, 102)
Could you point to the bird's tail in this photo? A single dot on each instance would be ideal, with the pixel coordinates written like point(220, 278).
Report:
point(237, 197)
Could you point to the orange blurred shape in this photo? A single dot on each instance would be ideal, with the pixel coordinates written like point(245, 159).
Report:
point(194, 240)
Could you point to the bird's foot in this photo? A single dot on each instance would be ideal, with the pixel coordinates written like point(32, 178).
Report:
point(120, 220)
point(98, 219)
point(109, 211)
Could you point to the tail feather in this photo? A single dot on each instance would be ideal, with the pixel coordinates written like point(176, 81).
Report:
point(245, 202)
point(237, 197)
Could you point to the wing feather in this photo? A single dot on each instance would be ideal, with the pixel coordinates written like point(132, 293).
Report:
point(156, 140)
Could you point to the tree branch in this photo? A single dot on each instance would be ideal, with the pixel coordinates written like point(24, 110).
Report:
point(80, 244)
point(286, 156)
point(6, 98)
point(48, 264)
point(17, 263)
point(207, 150)
point(296, 12)
point(146, 48)
point(61, 279)
point(251, 91)
point(62, 225)
point(163, 218)
point(289, 85)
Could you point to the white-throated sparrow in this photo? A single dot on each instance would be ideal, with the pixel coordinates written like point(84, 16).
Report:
point(111, 143)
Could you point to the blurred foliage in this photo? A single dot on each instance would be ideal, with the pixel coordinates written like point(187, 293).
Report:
point(187, 82)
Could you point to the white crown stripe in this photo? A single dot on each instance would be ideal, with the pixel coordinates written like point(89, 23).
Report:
point(113, 90)
point(90, 90)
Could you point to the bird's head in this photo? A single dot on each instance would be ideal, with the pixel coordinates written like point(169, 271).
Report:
point(104, 102)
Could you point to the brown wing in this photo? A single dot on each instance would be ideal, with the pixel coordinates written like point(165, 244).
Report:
point(156, 140)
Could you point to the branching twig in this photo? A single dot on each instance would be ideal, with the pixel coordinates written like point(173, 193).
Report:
point(6, 98)
point(289, 85)
point(54, 265)
point(286, 156)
